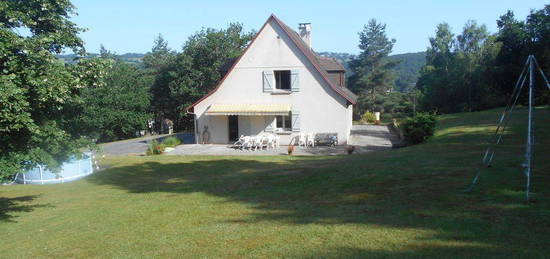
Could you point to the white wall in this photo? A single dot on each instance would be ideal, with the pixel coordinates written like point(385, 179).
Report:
point(321, 108)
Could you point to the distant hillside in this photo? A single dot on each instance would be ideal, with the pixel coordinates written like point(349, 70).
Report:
point(407, 71)
point(134, 58)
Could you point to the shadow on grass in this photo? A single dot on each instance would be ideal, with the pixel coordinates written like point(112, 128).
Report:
point(9, 206)
point(347, 191)
point(418, 252)
point(411, 188)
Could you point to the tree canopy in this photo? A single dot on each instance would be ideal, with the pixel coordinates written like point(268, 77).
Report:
point(476, 70)
point(36, 87)
point(185, 77)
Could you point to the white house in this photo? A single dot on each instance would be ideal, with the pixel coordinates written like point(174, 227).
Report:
point(279, 85)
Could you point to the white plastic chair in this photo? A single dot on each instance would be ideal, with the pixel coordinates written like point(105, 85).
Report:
point(270, 141)
point(257, 142)
point(302, 139)
point(310, 140)
point(239, 142)
point(245, 142)
point(277, 141)
point(265, 141)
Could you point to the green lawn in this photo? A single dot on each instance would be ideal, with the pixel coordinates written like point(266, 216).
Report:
point(398, 203)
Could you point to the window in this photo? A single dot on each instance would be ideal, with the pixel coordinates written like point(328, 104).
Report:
point(282, 79)
point(283, 122)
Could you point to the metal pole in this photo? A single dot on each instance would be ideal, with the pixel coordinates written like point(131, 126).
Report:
point(529, 145)
point(414, 102)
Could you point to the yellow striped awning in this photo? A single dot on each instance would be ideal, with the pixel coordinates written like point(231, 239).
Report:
point(249, 109)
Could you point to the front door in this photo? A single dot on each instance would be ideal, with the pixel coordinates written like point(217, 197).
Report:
point(233, 125)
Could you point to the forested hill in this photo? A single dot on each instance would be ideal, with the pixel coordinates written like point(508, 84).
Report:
point(134, 58)
point(407, 71)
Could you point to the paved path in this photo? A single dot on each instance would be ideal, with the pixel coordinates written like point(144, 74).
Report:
point(138, 146)
point(372, 135)
point(365, 138)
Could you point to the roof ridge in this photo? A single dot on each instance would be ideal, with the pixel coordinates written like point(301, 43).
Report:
point(343, 91)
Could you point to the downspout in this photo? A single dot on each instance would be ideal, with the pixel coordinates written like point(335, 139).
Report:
point(195, 128)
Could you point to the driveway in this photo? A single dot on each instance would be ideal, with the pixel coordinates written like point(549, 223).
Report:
point(372, 136)
point(138, 146)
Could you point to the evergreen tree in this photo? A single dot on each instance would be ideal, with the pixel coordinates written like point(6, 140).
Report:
point(372, 72)
point(158, 64)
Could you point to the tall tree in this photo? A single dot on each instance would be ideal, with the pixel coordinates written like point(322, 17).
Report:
point(158, 64)
point(35, 86)
point(469, 54)
point(195, 71)
point(435, 75)
point(118, 107)
point(454, 76)
point(512, 55)
point(372, 72)
point(160, 55)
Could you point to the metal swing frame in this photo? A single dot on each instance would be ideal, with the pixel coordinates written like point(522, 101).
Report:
point(528, 71)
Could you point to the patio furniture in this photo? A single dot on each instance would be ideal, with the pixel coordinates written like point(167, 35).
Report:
point(330, 139)
point(302, 139)
point(244, 142)
point(277, 141)
point(270, 138)
point(257, 142)
point(310, 139)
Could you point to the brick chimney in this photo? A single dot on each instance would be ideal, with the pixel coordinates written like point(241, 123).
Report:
point(304, 29)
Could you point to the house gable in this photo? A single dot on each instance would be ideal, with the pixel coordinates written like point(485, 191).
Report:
point(273, 58)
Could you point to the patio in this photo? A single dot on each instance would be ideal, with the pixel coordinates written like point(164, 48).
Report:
point(365, 138)
point(227, 150)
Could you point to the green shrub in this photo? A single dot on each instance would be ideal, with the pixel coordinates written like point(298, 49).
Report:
point(155, 148)
point(368, 117)
point(171, 142)
point(418, 128)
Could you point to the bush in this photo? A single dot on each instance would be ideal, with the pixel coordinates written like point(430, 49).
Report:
point(368, 117)
point(171, 142)
point(418, 128)
point(155, 148)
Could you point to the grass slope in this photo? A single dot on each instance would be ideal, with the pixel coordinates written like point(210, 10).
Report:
point(399, 203)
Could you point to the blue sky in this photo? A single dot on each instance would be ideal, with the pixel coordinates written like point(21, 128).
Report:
point(131, 25)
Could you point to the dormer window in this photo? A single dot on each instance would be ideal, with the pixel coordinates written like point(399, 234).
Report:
point(282, 79)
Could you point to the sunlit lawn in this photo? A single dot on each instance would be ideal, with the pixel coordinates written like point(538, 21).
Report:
point(399, 203)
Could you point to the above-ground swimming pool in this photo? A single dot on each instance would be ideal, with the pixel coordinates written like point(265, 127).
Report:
point(71, 170)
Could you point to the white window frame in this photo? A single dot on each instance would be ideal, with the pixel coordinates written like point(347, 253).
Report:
point(277, 80)
point(284, 122)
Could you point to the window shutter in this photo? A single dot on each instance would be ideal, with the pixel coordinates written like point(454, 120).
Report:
point(268, 123)
point(268, 80)
point(295, 121)
point(295, 81)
